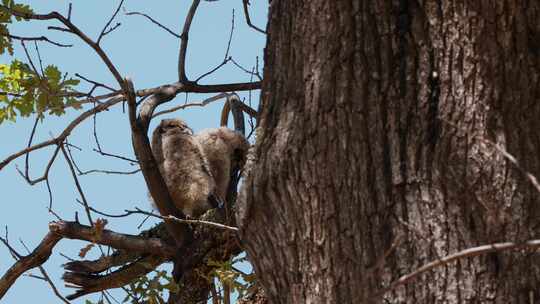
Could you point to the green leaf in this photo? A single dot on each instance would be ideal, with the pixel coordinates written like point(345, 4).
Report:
point(27, 92)
point(6, 43)
point(52, 74)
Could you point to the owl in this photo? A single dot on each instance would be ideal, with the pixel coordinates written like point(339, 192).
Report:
point(184, 167)
point(224, 149)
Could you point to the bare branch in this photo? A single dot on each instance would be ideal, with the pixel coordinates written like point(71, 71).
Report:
point(184, 221)
point(36, 258)
point(184, 42)
point(77, 184)
point(467, 253)
point(111, 172)
point(162, 94)
point(532, 179)
point(226, 58)
point(67, 131)
point(155, 22)
point(235, 105)
point(74, 230)
point(248, 19)
point(41, 38)
point(230, 37)
point(256, 74)
point(48, 279)
point(193, 104)
point(75, 30)
point(100, 150)
point(95, 83)
point(224, 62)
point(90, 283)
point(154, 180)
point(118, 258)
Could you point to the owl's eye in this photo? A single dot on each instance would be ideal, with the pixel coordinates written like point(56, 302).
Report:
point(186, 130)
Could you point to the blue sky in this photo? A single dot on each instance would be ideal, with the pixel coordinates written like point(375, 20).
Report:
point(149, 56)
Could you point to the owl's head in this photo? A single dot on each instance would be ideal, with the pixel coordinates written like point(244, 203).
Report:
point(174, 125)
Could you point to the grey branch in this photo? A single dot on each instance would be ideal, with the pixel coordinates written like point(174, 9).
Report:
point(467, 253)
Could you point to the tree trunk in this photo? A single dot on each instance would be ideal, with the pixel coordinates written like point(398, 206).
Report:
point(378, 125)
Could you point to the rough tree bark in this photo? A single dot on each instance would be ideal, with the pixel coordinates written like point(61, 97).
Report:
point(378, 127)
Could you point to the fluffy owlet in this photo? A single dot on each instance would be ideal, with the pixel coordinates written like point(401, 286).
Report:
point(224, 149)
point(184, 167)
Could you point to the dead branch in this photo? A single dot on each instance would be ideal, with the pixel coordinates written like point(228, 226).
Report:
point(235, 105)
point(155, 22)
point(106, 30)
point(156, 185)
point(184, 42)
point(192, 104)
point(77, 183)
point(74, 230)
point(40, 38)
point(95, 83)
point(36, 258)
point(160, 250)
point(48, 279)
point(72, 29)
point(184, 221)
point(67, 131)
point(467, 253)
point(93, 283)
point(226, 58)
point(118, 258)
point(248, 19)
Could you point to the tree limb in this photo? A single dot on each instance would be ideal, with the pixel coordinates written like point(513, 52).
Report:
point(90, 283)
point(467, 253)
point(74, 230)
point(118, 258)
point(248, 19)
point(162, 94)
point(156, 185)
point(36, 258)
point(184, 42)
point(67, 131)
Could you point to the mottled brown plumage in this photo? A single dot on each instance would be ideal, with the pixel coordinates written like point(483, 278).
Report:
point(224, 149)
point(183, 166)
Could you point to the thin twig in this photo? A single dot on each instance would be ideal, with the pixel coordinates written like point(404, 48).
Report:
point(184, 221)
point(155, 22)
point(110, 172)
point(65, 133)
point(226, 58)
point(73, 29)
point(230, 37)
point(41, 38)
point(105, 30)
point(47, 278)
point(77, 185)
point(36, 258)
point(103, 153)
point(219, 66)
point(530, 177)
point(98, 84)
point(246, 70)
point(30, 59)
point(248, 19)
point(39, 58)
point(467, 253)
point(193, 104)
